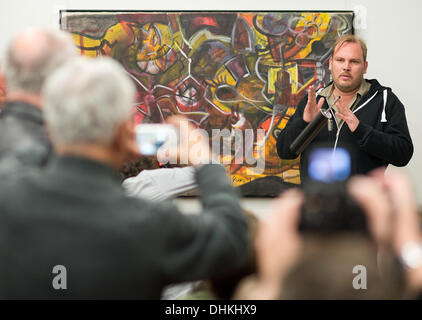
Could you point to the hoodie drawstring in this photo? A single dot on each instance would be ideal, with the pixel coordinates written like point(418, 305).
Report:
point(383, 118)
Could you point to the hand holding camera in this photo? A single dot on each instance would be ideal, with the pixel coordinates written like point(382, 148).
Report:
point(151, 137)
point(178, 142)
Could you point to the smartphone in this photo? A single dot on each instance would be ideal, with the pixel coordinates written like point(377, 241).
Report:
point(153, 136)
point(328, 165)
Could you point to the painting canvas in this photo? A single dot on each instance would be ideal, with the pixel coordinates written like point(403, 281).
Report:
point(237, 75)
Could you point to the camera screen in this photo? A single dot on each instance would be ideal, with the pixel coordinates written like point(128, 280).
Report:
point(328, 166)
point(150, 137)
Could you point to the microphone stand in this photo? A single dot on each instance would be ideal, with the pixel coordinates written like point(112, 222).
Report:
point(312, 129)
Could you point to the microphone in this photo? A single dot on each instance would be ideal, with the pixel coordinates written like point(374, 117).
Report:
point(311, 130)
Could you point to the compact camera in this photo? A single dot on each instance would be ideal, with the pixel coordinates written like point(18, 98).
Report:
point(327, 206)
point(153, 136)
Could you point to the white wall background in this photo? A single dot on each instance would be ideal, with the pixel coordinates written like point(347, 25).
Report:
point(391, 32)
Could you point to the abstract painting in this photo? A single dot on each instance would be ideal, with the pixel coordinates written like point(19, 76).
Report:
point(240, 73)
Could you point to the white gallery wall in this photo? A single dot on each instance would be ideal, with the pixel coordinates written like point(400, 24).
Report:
point(389, 27)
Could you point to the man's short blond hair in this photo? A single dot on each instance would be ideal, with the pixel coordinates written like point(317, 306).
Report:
point(350, 38)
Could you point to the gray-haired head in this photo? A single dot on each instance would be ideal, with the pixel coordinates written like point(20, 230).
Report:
point(33, 55)
point(85, 101)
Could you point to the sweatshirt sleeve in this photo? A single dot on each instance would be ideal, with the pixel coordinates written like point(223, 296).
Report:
point(198, 246)
point(161, 184)
point(293, 128)
point(393, 143)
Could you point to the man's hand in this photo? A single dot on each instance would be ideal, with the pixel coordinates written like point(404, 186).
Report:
point(406, 223)
point(312, 108)
point(345, 114)
point(278, 242)
point(373, 198)
point(194, 148)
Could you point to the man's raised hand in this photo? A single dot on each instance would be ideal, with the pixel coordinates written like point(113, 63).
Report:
point(312, 108)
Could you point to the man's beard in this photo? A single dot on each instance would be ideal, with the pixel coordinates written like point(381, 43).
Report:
point(349, 87)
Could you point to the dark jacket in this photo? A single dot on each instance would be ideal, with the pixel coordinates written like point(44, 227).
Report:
point(23, 135)
point(76, 214)
point(381, 138)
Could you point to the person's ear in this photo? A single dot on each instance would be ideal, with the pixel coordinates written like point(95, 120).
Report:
point(330, 63)
point(124, 142)
point(366, 67)
point(56, 147)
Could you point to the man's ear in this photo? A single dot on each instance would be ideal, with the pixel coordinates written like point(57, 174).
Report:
point(56, 147)
point(124, 142)
point(366, 67)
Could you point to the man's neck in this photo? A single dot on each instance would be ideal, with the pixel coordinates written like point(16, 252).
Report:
point(99, 153)
point(347, 95)
point(30, 98)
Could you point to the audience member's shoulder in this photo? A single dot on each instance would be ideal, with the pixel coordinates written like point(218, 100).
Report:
point(15, 178)
point(12, 170)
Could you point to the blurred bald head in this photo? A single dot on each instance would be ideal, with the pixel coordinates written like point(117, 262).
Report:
point(33, 55)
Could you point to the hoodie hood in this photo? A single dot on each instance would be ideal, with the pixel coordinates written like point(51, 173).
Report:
point(375, 89)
